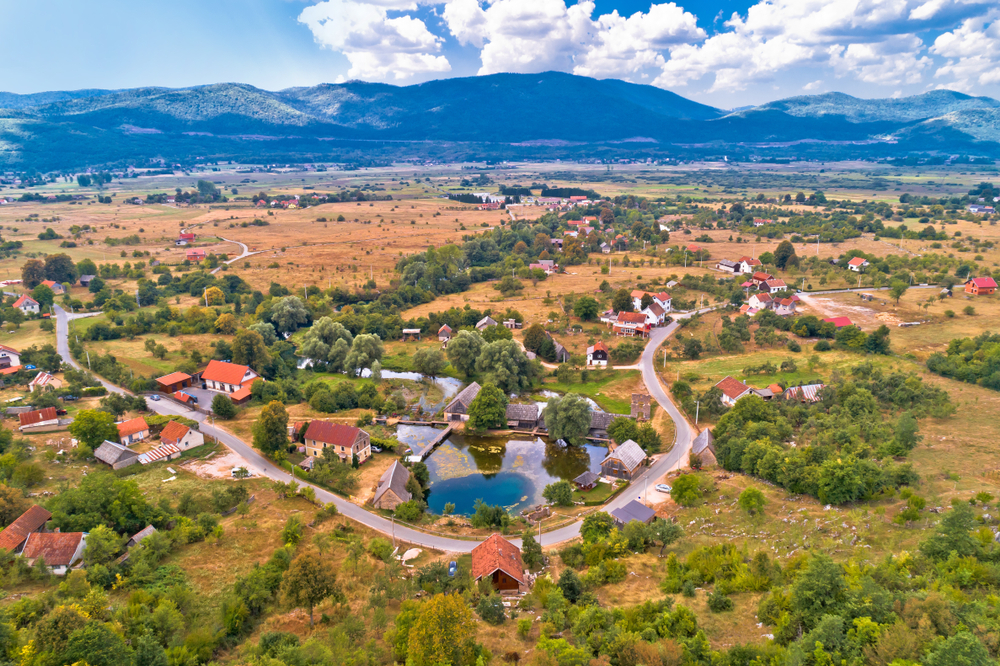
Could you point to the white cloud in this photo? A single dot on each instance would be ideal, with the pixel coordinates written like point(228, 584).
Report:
point(813, 85)
point(377, 46)
point(972, 53)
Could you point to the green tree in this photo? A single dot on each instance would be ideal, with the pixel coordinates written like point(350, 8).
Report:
point(666, 532)
point(464, 350)
point(443, 632)
point(586, 308)
point(32, 273)
point(497, 332)
point(559, 493)
point(60, 268)
point(954, 534)
point(309, 580)
point(818, 590)
point(270, 431)
point(570, 585)
point(784, 254)
point(249, 349)
point(596, 526)
point(649, 438)
point(365, 350)
point(567, 418)
point(693, 348)
point(288, 314)
point(488, 409)
point(44, 295)
point(686, 490)
point(507, 366)
point(752, 501)
point(266, 331)
point(622, 428)
point(12, 504)
point(103, 544)
point(429, 362)
point(622, 301)
point(896, 289)
point(223, 407)
point(531, 551)
point(534, 337)
point(490, 608)
point(962, 649)
point(92, 426)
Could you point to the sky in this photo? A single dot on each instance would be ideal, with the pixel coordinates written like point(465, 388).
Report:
point(727, 53)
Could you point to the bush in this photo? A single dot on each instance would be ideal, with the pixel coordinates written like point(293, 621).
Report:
point(822, 346)
point(718, 602)
point(686, 490)
point(523, 627)
point(380, 549)
point(969, 310)
point(490, 608)
point(410, 511)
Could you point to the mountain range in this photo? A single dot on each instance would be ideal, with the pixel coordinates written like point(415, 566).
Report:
point(501, 116)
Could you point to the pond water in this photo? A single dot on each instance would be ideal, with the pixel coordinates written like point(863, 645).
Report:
point(449, 385)
point(508, 472)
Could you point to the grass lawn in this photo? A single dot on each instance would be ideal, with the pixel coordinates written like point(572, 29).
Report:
point(611, 389)
point(598, 493)
point(133, 354)
point(27, 335)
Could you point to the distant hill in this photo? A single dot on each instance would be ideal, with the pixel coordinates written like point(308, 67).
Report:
point(501, 116)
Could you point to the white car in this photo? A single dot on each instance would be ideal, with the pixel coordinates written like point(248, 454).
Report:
point(662, 487)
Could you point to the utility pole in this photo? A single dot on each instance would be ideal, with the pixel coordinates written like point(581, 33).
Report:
point(88, 359)
point(697, 410)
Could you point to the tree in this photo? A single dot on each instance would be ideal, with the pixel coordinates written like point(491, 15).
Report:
point(443, 633)
point(308, 581)
point(266, 331)
point(12, 504)
point(506, 365)
point(103, 545)
point(559, 493)
point(531, 551)
point(534, 337)
point(86, 267)
point(567, 418)
point(497, 332)
point(622, 301)
point(622, 428)
point(897, 288)
point(585, 308)
point(818, 590)
point(319, 340)
point(666, 532)
point(32, 273)
point(464, 349)
point(249, 349)
point(490, 608)
point(954, 534)
point(596, 526)
point(96, 645)
point(784, 254)
point(962, 649)
point(44, 295)
point(60, 268)
point(752, 501)
point(693, 348)
point(288, 314)
point(223, 407)
point(214, 296)
point(488, 409)
point(686, 490)
point(429, 362)
point(226, 324)
point(570, 585)
point(270, 431)
point(877, 341)
point(365, 350)
point(91, 427)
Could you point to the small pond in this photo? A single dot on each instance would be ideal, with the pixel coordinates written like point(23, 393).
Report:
point(449, 385)
point(498, 470)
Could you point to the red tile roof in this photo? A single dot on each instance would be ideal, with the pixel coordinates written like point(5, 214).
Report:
point(749, 260)
point(857, 261)
point(761, 277)
point(663, 296)
point(240, 394)
point(30, 521)
point(37, 416)
point(132, 426)
point(49, 283)
point(227, 373)
point(776, 389)
point(599, 346)
point(445, 328)
point(984, 282)
point(775, 282)
point(11, 370)
point(762, 297)
point(638, 293)
point(173, 432)
point(336, 434)
point(173, 378)
point(732, 388)
point(9, 350)
point(840, 322)
point(631, 318)
point(24, 299)
point(497, 553)
point(183, 397)
point(56, 547)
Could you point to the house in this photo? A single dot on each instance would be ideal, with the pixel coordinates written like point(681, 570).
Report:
point(586, 481)
point(774, 285)
point(633, 511)
point(980, 210)
point(733, 390)
point(605, 248)
point(980, 286)
point(228, 377)
point(806, 393)
point(664, 300)
point(759, 278)
point(181, 436)
point(391, 490)
point(14, 535)
point(694, 249)
point(145, 532)
point(346, 441)
point(839, 322)
point(599, 422)
point(411, 334)
point(500, 561)
point(27, 305)
point(444, 333)
point(43, 381)
point(624, 462)
point(195, 254)
point(523, 417)
point(59, 550)
point(458, 408)
point(185, 238)
point(38, 418)
point(631, 324)
point(562, 355)
point(175, 381)
point(485, 323)
point(132, 431)
point(748, 264)
point(704, 447)
point(784, 307)
point(512, 324)
point(56, 287)
point(85, 280)
point(597, 355)
point(727, 266)
point(9, 357)
point(655, 315)
point(748, 311)
point(758, 222)
point(857, 264)
point(637, 296)
point(761, 301)
point(116, 455)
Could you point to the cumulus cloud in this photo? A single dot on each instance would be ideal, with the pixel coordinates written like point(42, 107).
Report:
point(972, 52)
point(377, 46)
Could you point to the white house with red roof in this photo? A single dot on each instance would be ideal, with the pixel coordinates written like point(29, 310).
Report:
point(761, 301)
point(774, 285)
point(631, 324)
point(655, 315)
point(597, 354)
point(9, 357)
point(857, 264)
point(228, 377)
point(784, 307)
point(759, 278)
point(132, 431)
point(748, 264)
point(733, 390)
point(27, 305)
point(43, 381)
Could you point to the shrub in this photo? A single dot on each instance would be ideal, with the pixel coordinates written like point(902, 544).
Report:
point(409, 511)
point(523, 627)
point(490, 608)
point(718, 602)
point(822, 346)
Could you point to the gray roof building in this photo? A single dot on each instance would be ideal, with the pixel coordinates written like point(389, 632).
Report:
point(628, 454)
point(461, 402)
point(146, 531)
point(704, 447)
point(522, 414)
point(586, 479)
point(633, 511)
point(116, 455)
point(393, 482)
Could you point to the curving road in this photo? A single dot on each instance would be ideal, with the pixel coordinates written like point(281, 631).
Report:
point(246, 253)
point(676, 457)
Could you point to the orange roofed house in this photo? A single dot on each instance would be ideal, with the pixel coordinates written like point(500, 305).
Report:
point(500, 561)
point(980, 286)
point(230, 378)
point(132, 431)
point(346, 441)
point(61, 550)
point(14, 535)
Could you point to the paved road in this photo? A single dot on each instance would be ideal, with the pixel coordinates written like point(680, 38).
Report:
point(246, 253)
point(682, 444)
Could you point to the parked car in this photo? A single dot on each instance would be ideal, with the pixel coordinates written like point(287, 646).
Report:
point(452, 568)
point(376, 449)
point(69, 398)
point(154, 398)
point(30, 367)
point(663, 488)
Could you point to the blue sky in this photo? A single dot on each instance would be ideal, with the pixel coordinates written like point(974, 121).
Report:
point(727, 53)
